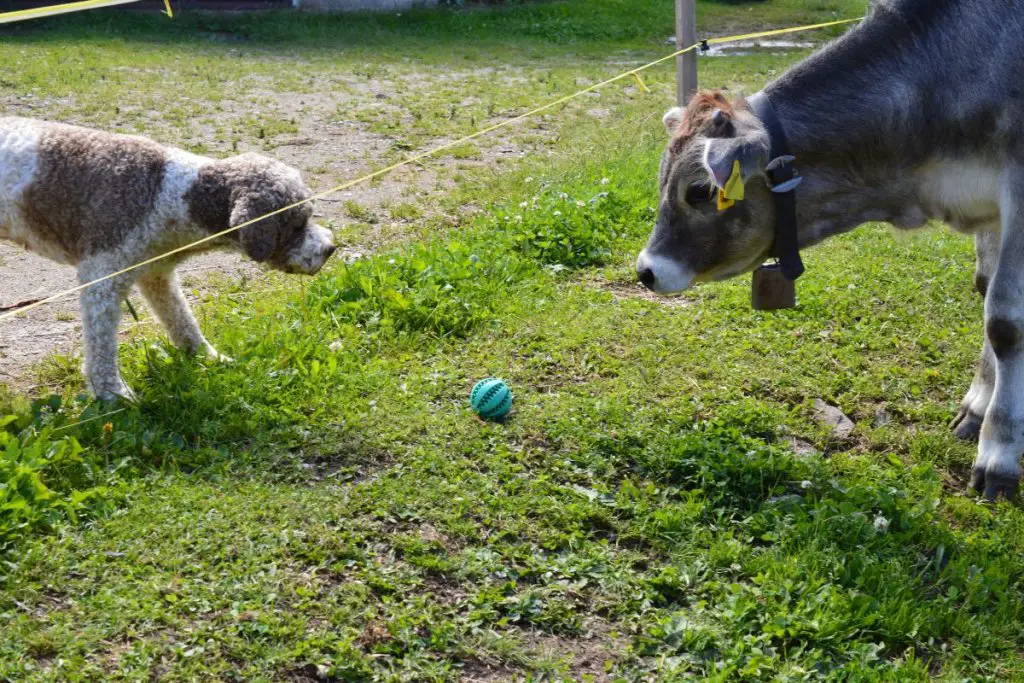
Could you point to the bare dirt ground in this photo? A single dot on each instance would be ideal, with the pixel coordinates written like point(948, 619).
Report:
point(329, 149)
point(27, 340)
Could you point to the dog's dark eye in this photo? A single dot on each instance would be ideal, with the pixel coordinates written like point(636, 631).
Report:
point(699, 193)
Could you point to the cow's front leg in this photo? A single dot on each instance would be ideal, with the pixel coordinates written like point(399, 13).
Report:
point(997, 468)
point(967, 424)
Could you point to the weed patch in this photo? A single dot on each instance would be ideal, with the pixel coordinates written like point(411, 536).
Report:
point(47, 475)
point(328, 507)
point(557, 229)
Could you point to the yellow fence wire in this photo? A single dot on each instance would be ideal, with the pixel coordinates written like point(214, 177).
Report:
point(632, 73)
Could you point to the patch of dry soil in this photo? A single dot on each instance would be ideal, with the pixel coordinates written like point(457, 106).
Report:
point(342, 151)
point(326, 148)
point(27, 339)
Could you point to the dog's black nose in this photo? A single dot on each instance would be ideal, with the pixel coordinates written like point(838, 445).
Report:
point(330, 251)
point(646, 276)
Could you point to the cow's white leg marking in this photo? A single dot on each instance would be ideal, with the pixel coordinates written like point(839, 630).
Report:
point(165, 297)
point(997, 468)
point(967, 424)
point(101, 314)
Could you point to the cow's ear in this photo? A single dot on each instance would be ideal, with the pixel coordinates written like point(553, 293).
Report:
point(721, 155)
point(672, 119)
point(719, 124)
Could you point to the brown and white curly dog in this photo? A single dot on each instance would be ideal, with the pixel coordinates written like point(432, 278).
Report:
point(102, 202)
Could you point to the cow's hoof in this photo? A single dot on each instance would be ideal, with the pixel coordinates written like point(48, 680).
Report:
point(967, 423)
point(993, 485)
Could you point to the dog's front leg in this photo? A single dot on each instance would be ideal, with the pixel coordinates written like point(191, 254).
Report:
point(997, 468)
point(101, 315)
point(165, 297)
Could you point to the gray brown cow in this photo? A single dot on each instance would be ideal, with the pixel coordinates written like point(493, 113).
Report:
point(916, 114)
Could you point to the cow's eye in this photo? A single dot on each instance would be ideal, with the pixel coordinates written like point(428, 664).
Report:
point(699, 193)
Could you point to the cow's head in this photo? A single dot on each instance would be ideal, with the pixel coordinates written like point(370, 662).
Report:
point(694, 239)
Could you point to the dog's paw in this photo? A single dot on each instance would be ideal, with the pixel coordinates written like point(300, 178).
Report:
point(213, 355)
point(122, 393)
point(207, 351)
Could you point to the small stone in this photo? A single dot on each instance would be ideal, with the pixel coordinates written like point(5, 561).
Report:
point(801, 447)
point(833, 418)
point(882, 418)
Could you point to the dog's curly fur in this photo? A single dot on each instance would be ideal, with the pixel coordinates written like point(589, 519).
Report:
point(102, 202)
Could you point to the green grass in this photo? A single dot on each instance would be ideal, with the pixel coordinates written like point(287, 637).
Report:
point(406, 211)
point(359, 212)
point(327, 506)
point(518, 26)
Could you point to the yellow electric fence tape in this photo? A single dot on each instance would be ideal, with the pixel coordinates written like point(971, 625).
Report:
point(39, 12)
point(640, 84)
point(780, 31)
point(632, 73)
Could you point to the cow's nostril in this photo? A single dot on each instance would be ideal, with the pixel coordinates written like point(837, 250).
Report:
point(646, 276)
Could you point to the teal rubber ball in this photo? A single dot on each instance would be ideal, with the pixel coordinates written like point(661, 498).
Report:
point(491, 399)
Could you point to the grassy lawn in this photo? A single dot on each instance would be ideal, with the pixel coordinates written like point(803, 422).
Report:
point(661, 505)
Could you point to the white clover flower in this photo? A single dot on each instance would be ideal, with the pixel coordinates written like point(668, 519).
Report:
point(523, 205)
point(529, 179)
point(806, 484)
point(580, 203)
point(605, 181)
point(558, 213)
point(881, 524)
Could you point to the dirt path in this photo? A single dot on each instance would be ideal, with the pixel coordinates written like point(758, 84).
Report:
point(326, 152)
point(349, 127)
point(27, 340)
point(347, 152)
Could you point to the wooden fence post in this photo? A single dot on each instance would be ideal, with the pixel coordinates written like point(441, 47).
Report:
point(686, 65)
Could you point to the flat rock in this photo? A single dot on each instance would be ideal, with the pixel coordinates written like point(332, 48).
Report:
point(833, 418)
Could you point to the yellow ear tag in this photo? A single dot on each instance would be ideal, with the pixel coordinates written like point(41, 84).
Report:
point(733, 191)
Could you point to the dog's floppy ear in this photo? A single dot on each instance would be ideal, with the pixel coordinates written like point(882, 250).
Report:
point(259, 240)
